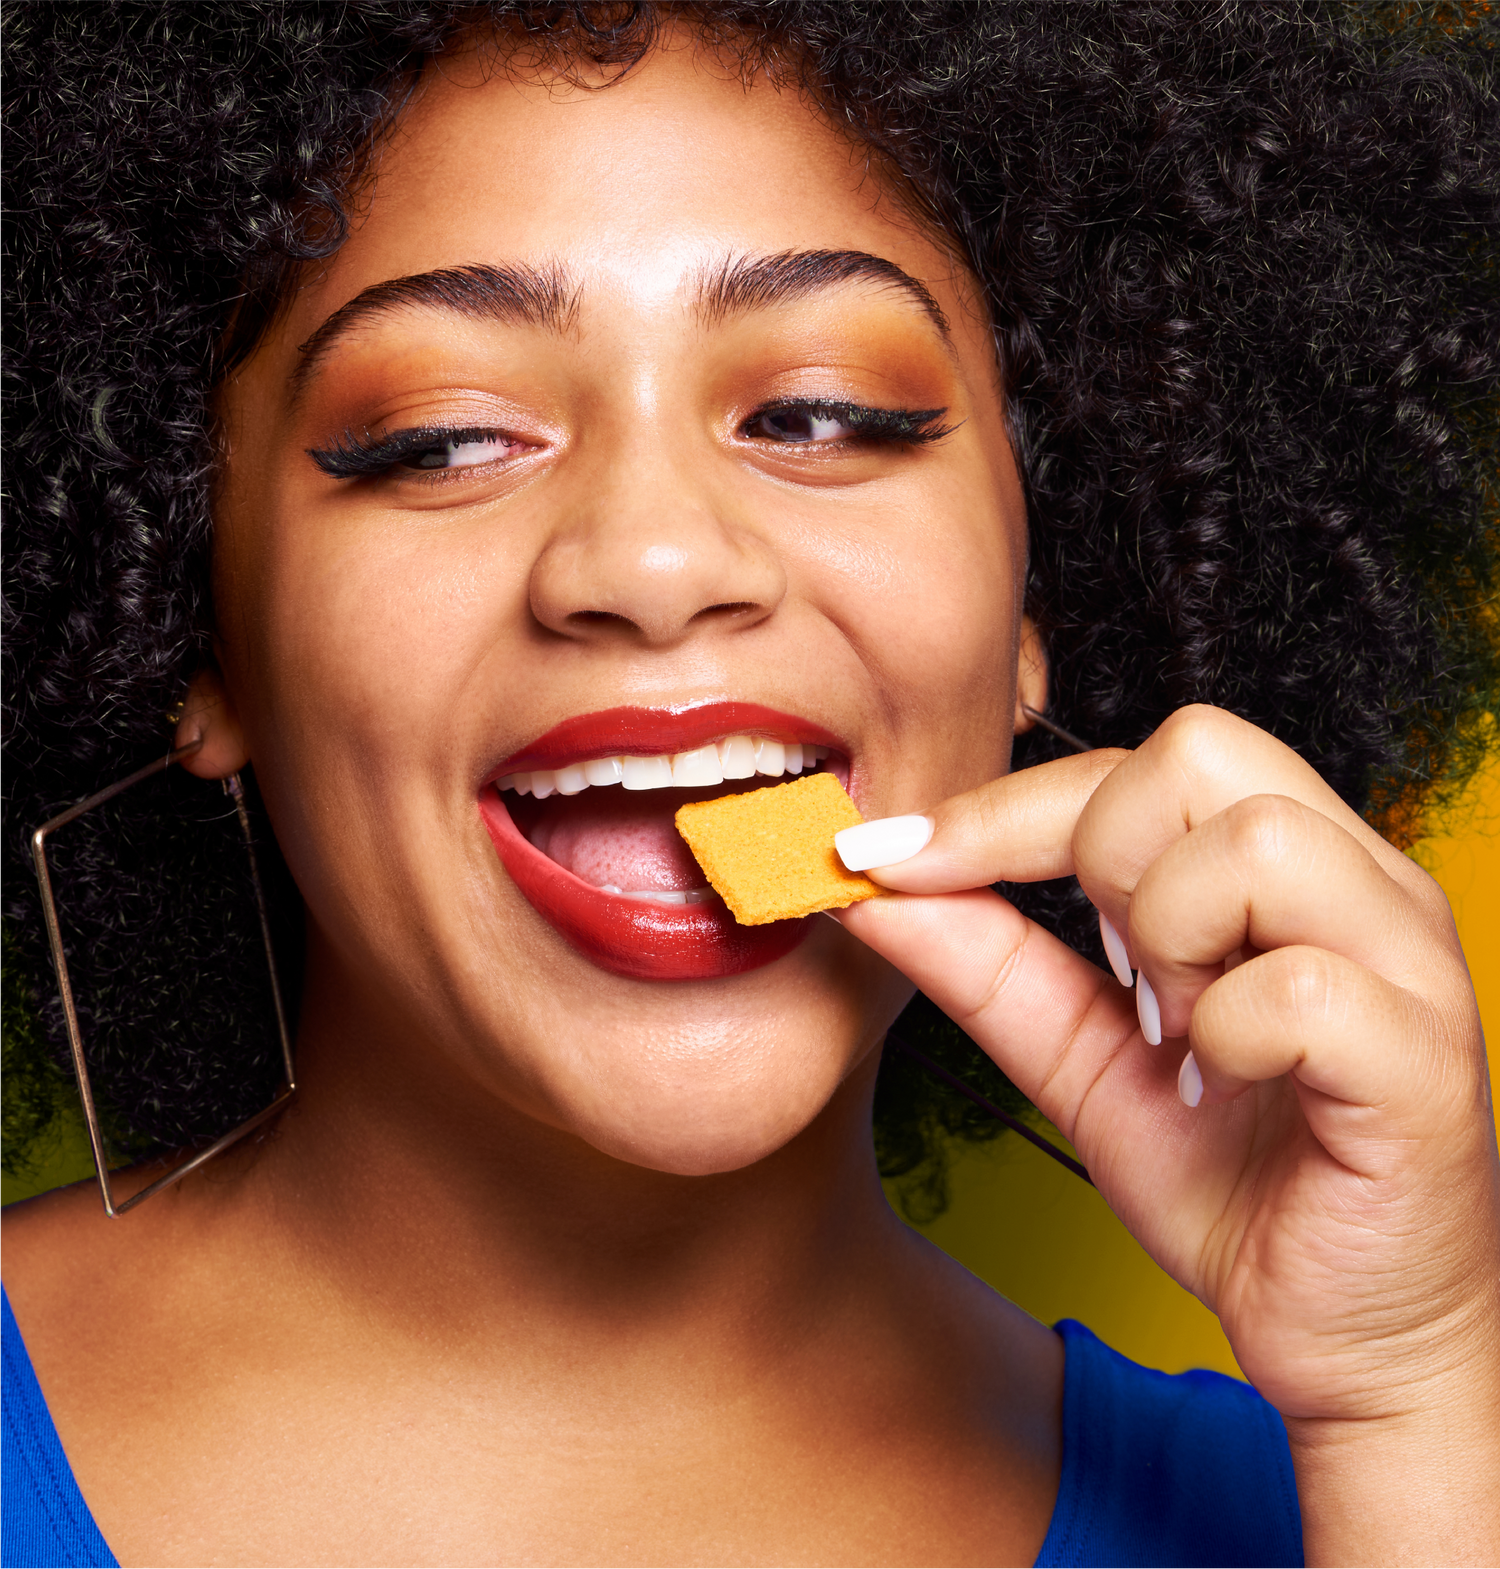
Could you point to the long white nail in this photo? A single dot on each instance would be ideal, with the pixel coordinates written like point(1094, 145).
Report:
point(1148, 1011)
point(882, 843)
point(1189, 1081)
point(1114, 949)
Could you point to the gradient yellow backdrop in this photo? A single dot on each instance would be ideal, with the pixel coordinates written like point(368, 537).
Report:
point(1047, 1241)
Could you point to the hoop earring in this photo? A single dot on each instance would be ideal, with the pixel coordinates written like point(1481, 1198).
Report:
point(1065, 736)
point(236, 790)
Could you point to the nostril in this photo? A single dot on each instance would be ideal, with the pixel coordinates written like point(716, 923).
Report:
point(611, 618)
point(737, 607)
point(599, 618)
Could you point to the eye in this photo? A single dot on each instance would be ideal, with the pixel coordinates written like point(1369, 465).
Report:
point(361, 455)
point(461, 454)
point(838, 424)
point(799, 424)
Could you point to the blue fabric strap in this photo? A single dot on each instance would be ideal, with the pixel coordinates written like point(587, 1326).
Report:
point(1187, 1468)
point(45, 1521)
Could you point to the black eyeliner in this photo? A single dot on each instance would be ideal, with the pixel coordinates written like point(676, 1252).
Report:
point(354, 456)
point(913, 426)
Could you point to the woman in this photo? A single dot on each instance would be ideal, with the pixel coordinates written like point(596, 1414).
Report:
point(571, 388)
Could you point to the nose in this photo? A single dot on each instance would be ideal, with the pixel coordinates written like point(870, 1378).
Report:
point(652, 558)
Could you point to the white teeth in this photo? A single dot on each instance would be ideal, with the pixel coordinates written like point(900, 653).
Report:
point(697, 768)
point(646, 773)
point(770, 757)
point(571, 780)
point(685, 896)
point(735, 757)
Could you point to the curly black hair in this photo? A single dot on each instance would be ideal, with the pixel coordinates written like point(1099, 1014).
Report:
point(1241, 259)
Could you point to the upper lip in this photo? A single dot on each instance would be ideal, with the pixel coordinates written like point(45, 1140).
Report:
point(650, 732)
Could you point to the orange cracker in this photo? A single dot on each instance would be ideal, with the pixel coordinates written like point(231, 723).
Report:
point(769, 853)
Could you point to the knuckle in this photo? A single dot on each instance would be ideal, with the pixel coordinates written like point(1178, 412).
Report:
point(1103, 761)
point(1197, 731)
point(1427, 894)
point(985, 822)
point(1264, 827)
point(1311, 985)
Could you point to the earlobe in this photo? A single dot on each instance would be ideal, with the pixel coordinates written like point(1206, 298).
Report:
point(1031, 676)
point(209, 714)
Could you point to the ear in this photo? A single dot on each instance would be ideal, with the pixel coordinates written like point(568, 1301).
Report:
point(1031, 676)
point(209, 714)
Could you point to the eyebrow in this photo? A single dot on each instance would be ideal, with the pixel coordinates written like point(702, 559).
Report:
point(747, 283)
point(545, 297)
point(519, 295)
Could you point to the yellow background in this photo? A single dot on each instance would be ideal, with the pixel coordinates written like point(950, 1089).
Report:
point(1045, 1239)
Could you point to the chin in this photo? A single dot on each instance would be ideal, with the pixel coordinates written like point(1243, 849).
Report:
point(709, 1129)
point(711, 1096)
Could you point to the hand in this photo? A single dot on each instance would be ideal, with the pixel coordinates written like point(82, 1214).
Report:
point(1334, 1195)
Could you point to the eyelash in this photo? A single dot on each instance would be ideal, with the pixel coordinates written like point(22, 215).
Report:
point(356, 456)
point(913, 427)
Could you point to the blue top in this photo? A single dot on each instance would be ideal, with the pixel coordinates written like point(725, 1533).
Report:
point(1191, 1468)
point(1168, 1468)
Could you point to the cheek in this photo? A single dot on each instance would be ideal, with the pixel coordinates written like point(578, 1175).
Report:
point(370, 642)
point(370, 655)
point(930, 599)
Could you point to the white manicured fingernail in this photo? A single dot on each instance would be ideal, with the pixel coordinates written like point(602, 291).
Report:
point(1114, 949)
point(1189, 1081)
point(882, 843)
point(1148, 1011)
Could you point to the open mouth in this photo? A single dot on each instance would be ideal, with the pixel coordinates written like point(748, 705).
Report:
point(610, 820)
point(583, 822)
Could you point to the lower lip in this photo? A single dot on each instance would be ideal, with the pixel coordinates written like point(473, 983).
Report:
point(635, 937)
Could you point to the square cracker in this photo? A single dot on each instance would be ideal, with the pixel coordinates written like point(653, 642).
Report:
point(769, 853)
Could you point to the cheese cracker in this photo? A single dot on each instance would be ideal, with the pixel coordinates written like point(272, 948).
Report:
point(769, 853)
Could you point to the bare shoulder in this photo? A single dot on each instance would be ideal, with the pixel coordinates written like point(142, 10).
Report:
point(55, 1245)
point(75, 1276)
point(51, 1238)
point(980, 1336)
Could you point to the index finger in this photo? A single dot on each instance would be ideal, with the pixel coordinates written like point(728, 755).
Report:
point(1017, 829)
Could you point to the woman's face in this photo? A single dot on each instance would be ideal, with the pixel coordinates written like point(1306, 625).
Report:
point(566, 456)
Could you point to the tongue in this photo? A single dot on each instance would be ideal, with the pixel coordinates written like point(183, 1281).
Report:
point(611, 836)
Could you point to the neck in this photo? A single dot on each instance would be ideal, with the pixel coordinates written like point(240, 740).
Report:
point(441, 1208)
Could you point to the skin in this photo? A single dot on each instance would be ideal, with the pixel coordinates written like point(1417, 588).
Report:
point(617, 1249)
